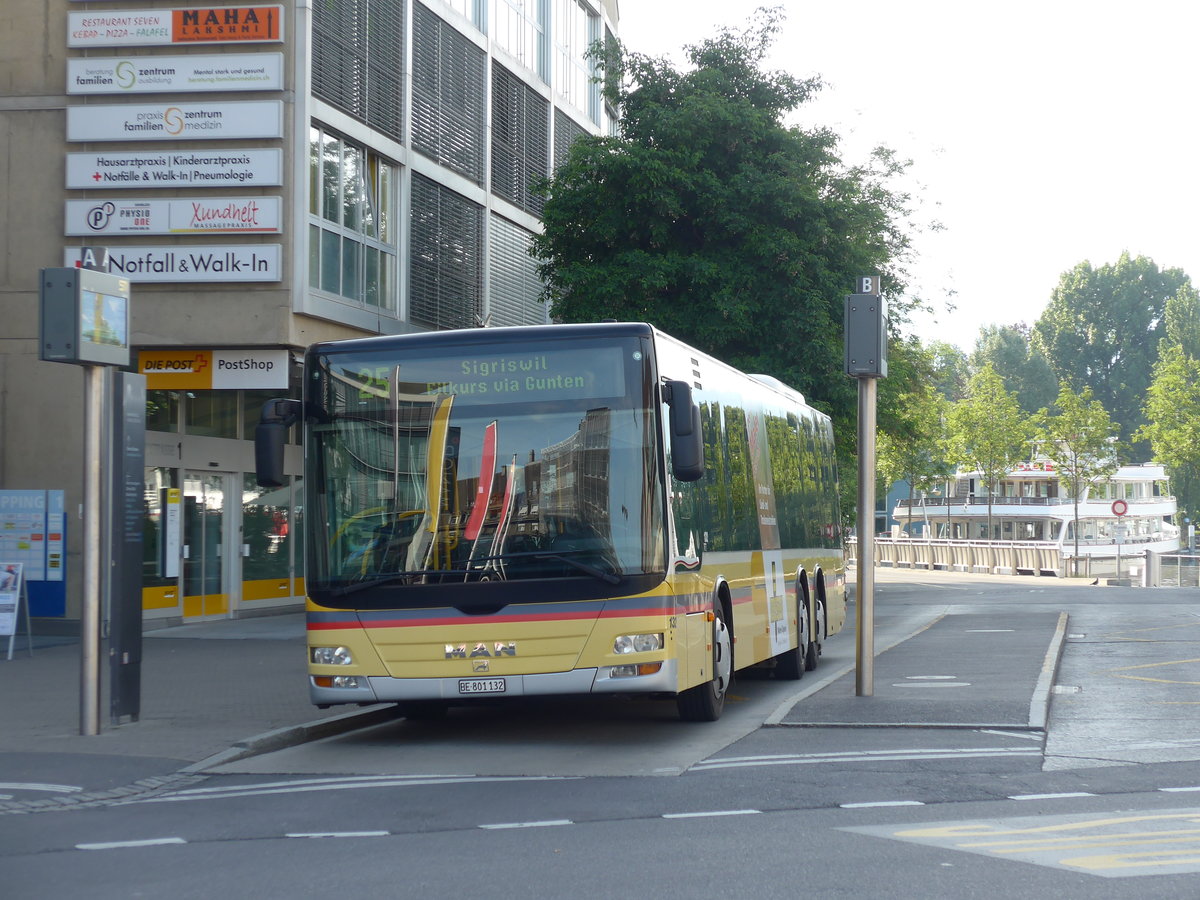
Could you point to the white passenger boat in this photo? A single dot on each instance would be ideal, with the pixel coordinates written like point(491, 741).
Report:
point(1130, 511)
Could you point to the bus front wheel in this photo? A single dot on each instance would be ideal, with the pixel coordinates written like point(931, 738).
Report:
point(705, 702)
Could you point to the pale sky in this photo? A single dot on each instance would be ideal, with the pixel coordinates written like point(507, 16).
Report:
point(1042, 133)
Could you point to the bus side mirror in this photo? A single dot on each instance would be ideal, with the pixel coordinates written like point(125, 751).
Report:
point(687, 439)
point(270, 436)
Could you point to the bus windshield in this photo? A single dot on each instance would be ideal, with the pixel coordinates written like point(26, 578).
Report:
point(433, 464)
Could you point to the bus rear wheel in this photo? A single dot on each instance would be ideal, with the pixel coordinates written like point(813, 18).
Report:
point(791, 664)
point(705, 702)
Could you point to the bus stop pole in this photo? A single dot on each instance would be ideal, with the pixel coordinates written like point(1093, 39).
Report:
point(864, 681)
point(89, 619)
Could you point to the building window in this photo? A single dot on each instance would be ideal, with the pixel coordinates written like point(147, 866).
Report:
point(520, 139)
point(446, 269)
point(519, 27)
point(575, 28)
point(352, 228)
point(471, 10)
point(514, 286)
point(358, 60)
point(449, 96)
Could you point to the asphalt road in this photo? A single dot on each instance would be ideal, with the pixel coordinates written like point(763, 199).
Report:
point(598, 800)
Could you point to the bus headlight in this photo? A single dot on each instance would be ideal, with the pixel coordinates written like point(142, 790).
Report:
point(330, 656)
point(637, 643)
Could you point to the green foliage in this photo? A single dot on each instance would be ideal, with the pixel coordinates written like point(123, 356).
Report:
point(1023, 366)
point(1080, 437)
point(1173, 426)
point(948, 370)
point(988, 432)
point(1102, 329)
point(711, 219)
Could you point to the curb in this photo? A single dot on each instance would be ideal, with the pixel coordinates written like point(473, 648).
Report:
point(266, 742)
point(294, 735)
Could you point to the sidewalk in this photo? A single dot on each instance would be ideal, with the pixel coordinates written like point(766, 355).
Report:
point(215, 690)
point(962, 671)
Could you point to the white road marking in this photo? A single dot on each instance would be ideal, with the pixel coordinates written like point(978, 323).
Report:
point(338, 834)
point(862, 756)
point(932, 684)
point(332, 784)
point(118, 845)
point(549, 823)
point(715, 812)
point(1051, 796)
point(1176, 790)
point(1025, 736)
point(877, 803)
point(39, 786)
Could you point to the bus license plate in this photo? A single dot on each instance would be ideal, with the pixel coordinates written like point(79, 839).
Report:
point(481, 686)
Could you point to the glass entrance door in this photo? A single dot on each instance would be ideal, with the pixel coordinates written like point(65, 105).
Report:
point(208, 560)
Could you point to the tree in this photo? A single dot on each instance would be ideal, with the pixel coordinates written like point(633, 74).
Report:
point(1022, 365)
point(918, 454)
point(1080, 438)
point(949, 370)
point(1102, 328)
point(710, 218)
point(988, 433)
point(1173, 426)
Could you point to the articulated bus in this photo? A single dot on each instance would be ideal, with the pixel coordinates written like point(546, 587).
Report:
point(558, 509)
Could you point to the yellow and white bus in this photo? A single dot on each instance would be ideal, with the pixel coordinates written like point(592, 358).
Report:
point(561, 509)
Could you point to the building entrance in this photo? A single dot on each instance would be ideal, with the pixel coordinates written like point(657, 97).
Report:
point(211, 570)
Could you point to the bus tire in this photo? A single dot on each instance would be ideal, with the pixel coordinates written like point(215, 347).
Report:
point(790, 664)
point(705, 702)
point(813, 655)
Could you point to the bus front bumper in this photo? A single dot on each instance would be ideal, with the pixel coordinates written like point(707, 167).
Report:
point(382, 689)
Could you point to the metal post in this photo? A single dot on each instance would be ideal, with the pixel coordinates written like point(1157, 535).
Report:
point(864, 682)
point(89, 620)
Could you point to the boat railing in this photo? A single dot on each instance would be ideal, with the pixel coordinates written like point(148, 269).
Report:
point(940, 502)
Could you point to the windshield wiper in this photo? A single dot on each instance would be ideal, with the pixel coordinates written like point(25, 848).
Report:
point(385, 580)
point(587, 569)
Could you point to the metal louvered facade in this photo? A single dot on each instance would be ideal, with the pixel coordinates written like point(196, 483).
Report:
point(566, 130)
point(520, 139)
point(449, 96)
point(358, 58)
point(446, 266)
point(455, 112)
point(514, 283)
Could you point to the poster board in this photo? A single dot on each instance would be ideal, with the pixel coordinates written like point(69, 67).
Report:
point(12, 600)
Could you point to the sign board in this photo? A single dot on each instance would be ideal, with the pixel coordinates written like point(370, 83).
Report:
point(32, 527)
point(1119, 507)
point(175, 74)
point(189, 370)
point(142, 169)
point(10, 598)
point(84, 317)
point(193, 263)
point(166, 27)
point(200, 215)
point(172, 508)
point(176, 121)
